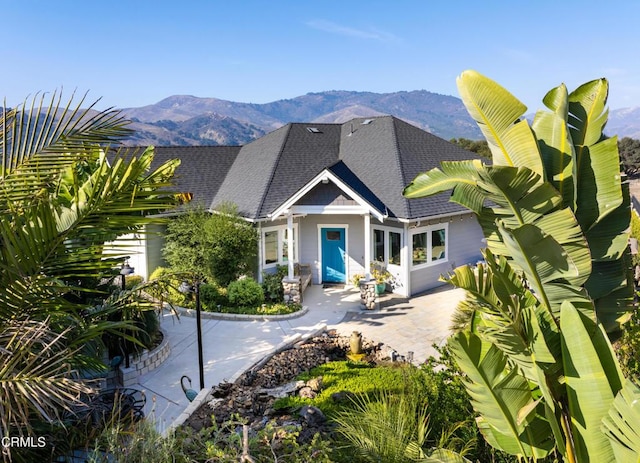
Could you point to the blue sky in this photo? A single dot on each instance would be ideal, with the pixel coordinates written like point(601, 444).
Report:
point(137, 52)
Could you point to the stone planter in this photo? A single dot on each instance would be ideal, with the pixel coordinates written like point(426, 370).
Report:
point(368, 296)
point(146, 362)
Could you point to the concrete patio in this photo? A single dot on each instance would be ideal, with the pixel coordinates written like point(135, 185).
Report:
point(230, 346)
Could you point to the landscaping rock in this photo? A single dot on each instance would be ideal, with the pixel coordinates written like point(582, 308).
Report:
point(312, 415)
point(315, 384)
point(307, 393)
point(252, 396)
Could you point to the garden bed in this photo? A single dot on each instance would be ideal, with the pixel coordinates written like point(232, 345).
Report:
point(295, 312)
point(250, 397)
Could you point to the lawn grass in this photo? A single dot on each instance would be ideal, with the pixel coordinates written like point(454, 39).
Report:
point(354, 377)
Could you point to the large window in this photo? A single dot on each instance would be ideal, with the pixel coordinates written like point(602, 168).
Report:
point(386, 246)
point(275, 247)
point(429, 245)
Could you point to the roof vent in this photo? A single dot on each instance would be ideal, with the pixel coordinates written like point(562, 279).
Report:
point(313, 130)
point(367, 121)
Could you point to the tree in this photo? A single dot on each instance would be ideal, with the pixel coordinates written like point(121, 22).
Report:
point(630, 155)
point(61, 199)
point(477, 146)
point(542, 373)
point(218, 246)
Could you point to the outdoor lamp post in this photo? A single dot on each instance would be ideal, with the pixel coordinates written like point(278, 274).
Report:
point(124, 271)
point(187, 288)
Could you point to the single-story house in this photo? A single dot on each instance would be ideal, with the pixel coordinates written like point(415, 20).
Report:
point(330, 195)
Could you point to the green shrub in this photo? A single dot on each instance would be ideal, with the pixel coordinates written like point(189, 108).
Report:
point(164, 286)
point(150, 325)
point(212, 296)
point(391, 427)
point(245, 292)
point(131, 281)
point(272, 284)
point(635, 233)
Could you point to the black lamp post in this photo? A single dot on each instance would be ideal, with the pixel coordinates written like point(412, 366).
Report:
point(124, 271)
point(187, 288)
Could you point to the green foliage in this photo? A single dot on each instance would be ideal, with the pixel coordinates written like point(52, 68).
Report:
point(139, 442)
point(272, 284)
point(271, 308)
point(234, 245)
point(245, 292)
point(218, 247)
point(628, 347)
point(630, 155)
point(392, 427)
point(480, 147)
point(541, 371)
point(355, 279)
point(131, 281)
point(187, 246)
point(62, 200)
point(212, 296)
point(355, 377)
point(273, 444)
point(164, 284)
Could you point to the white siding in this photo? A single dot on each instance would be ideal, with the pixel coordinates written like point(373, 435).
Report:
point(464, 243)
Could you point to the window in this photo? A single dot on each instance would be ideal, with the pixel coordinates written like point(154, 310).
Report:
point(419, 250)
point(333, 235)
point(378, 245)
point(275, 245)
point(429, 245)
point(285, 245)
point(438, 248)
point(387, 246)
point(394, 248)
point(271, 247)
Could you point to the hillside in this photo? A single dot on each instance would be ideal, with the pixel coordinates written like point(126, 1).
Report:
point(188, 120)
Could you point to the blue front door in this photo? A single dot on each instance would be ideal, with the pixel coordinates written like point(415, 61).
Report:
point(333, 242)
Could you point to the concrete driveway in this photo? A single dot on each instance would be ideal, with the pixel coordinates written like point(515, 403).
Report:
point(230, 347)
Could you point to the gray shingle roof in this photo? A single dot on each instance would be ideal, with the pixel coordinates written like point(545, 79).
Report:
point(202, 168)
point(376, 159)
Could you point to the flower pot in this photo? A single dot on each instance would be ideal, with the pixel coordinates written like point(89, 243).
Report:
point(355, 342)
point(380, 288)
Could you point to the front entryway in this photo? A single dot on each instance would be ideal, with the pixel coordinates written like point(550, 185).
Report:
point(333, 252)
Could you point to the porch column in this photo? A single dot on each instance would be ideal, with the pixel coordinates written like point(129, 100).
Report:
point(367, 246)
point(405, 260)
point(290, 244)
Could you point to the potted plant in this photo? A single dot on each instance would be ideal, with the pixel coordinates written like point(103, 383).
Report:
point(381, 275)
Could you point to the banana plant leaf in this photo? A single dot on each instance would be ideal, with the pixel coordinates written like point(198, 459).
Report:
point(622, 424)
point(500, 395)
point(593, 378)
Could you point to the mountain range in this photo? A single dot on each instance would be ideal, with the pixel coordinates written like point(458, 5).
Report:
point(189, 120)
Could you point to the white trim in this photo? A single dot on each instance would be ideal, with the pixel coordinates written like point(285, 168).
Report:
point(279, 228)
point(427, 230)
point(290, 251)
point(325, 175)
point(367, 246)
point(405, 257)
point(431, 217)
point(386, 230)
point(346, 247)
point(331, 209)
